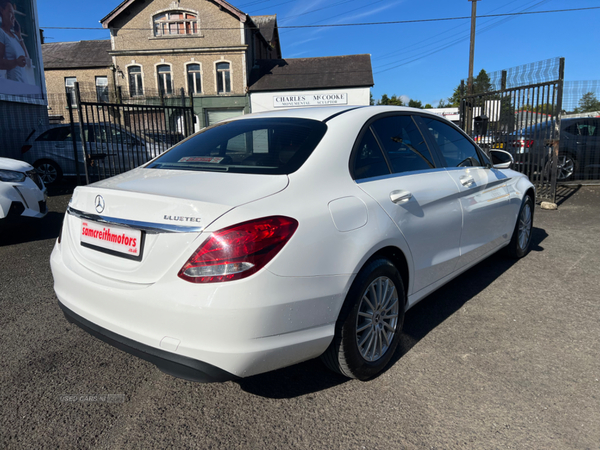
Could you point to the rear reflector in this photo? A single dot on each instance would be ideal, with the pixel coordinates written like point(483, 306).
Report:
point(239, 251)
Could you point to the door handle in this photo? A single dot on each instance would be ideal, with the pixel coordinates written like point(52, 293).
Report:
point(400, 196)
point(467, 180)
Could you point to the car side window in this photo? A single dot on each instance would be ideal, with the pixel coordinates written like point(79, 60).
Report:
point(368, 159)
point(455, 148)
point(572, 129)
point(404, 144)
point(587, 129)
point(55, 134)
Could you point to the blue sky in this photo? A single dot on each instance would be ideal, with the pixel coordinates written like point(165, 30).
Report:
point(422, 61)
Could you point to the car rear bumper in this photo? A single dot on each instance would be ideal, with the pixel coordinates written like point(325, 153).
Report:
point(170, 363)
point(205, 332)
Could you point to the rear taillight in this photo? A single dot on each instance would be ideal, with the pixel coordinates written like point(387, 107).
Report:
point(239, 251)
point(25, 148)
point(522, 143)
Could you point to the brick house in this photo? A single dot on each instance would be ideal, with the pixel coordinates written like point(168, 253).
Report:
point(86, 62)
point(231, 63)
point(207, 47)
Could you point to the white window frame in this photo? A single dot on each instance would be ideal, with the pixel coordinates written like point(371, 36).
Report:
point(104, 78)
point(156, 66)
point(70, 89)
point(158, 33)
point(221, 73)
point(185, 71)
point(141, 73)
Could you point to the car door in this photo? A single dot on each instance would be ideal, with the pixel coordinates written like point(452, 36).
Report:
point(484, 195)
point(56, 144)
point(588, 148)
point(392, 163)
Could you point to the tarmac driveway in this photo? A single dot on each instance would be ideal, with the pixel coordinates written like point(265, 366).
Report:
point(505, 356)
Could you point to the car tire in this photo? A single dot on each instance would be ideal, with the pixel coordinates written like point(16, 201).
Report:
point(49, 171)
point(369, 326)
point(520, 243)
point(567, 167)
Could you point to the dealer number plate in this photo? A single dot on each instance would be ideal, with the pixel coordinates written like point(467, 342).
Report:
point(118, 241)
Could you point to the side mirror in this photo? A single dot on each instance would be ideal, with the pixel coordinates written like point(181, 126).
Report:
point(501, 159)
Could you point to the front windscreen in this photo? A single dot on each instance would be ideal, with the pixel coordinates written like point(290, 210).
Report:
point(262, 145)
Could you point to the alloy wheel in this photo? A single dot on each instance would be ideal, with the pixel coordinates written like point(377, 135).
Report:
point(525, 223)
point(47, 172)
point(377, 319)
point(566, 167)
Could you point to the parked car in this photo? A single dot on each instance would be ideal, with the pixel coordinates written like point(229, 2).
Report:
point(22, 192)
point(270, 239)
point(579, 147)
point(110, 147)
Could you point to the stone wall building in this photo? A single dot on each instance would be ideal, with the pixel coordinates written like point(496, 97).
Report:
point(206, 47)
point(86, 62)
point(229, 62)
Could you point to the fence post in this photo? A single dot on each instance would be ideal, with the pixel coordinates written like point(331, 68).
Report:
point(74, 141)
point(462, 109)
point(192, 114)
point(81, 132)
point(186, 130)
point(555, 146)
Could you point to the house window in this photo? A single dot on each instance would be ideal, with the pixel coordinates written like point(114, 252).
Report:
point(174, 23)
point(102, 89)
point(135, 81)
point(194, 79)
point(223, 78)
point(165, 85)
point(70, 88)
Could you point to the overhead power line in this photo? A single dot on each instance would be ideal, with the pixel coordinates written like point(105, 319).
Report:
point(337, 25)
point(408, 60)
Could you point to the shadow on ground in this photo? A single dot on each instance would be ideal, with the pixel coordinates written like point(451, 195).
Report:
point(30, 230)
point(63, 187)
point(312, 376)
point(565, 192)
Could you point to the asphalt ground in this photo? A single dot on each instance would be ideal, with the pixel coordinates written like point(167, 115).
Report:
point(505, 356)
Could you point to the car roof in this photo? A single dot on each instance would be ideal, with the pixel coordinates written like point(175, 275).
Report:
point(324, 113)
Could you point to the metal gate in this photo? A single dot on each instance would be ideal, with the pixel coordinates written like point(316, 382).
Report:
point(117, 137)
point(515, 113)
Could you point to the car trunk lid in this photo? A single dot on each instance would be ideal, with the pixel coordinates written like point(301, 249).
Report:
point(135, 226)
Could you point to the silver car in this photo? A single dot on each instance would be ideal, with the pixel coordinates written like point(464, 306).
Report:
point(108, 146)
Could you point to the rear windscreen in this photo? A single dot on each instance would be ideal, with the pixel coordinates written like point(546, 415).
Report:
point(262, 145)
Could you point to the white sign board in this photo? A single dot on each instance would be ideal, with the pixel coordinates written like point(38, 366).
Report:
point(288, 101)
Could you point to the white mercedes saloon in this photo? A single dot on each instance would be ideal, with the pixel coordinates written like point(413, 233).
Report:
point(274, 238)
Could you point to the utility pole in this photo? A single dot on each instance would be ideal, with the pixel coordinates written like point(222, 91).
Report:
point(472, 49)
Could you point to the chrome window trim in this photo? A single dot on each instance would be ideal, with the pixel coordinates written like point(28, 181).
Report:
point(148, 227)
point(399, 174)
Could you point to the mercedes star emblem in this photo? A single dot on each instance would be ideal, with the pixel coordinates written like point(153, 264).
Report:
point(99, 204)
